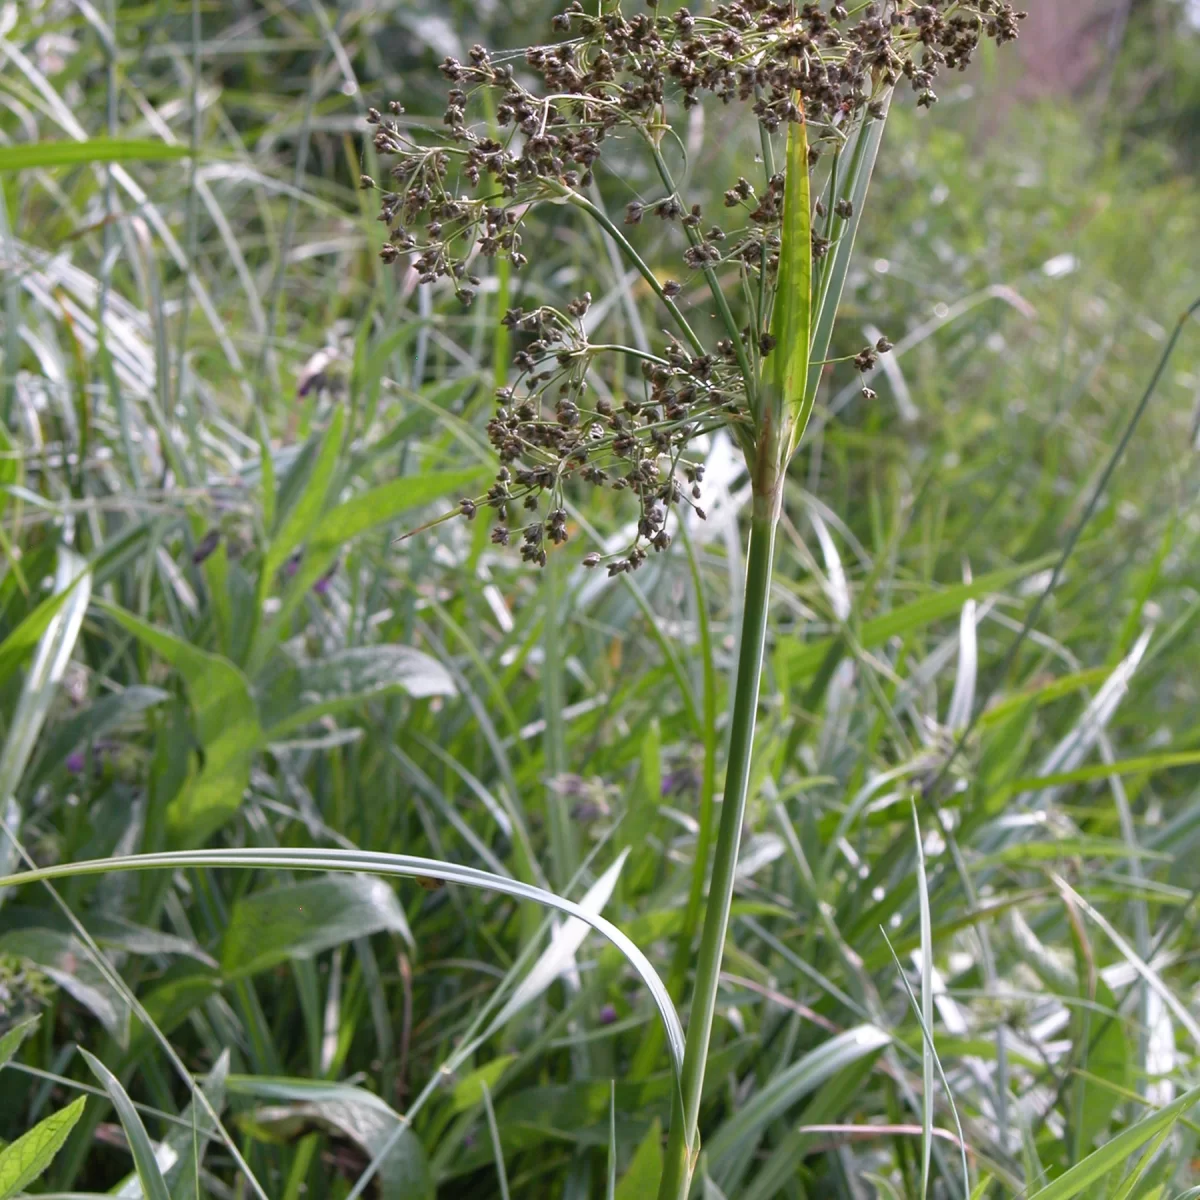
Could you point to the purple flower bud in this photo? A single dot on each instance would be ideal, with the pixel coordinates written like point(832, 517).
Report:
point(322, 584)
point(608, 1014)
point(75, 762)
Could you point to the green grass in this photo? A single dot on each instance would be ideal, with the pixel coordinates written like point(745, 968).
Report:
point(429, 701)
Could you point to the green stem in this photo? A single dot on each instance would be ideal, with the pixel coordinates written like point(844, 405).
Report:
point(683, 1145)
point(605, 223)
point(695, 239)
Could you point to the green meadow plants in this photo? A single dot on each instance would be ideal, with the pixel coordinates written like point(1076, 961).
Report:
point(384, 605)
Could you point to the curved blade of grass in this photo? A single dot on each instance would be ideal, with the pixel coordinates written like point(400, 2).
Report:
point(153, 1184)
point(375, 862)
point(1114, 1153)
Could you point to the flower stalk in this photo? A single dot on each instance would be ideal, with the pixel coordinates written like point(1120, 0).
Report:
point(683, 1141)
point(823, 73)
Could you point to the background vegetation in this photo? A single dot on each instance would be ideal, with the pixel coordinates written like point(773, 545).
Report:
point(220, 411)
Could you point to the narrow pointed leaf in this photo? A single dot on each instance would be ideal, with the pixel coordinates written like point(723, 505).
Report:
point(10, 1043)
point(148, 1171)
point(1113, 1153)
point(791, 324)
point(831, 278)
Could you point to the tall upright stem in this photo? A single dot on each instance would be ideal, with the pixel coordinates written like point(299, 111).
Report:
point(682, 1146)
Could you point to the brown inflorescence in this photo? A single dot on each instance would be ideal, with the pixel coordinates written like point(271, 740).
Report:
point(552, 117)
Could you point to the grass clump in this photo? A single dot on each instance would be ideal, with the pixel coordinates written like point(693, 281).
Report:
point(224, 408)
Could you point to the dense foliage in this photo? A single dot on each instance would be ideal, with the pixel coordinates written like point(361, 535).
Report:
point(222, 408)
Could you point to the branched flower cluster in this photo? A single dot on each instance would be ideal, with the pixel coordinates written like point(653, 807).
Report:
point(548, 428)
point(540, 137)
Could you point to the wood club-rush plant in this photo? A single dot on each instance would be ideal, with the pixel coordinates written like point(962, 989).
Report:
point(814, 83)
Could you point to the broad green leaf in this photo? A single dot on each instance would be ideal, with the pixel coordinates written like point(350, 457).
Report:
point(110, 932)
point(10, 1043)
point(641, 1179)
point(468, 1091)
point(95, 150)
point(791, 322)
point(300, 920)
point(227, 728)
point(1115, 1152)
point(352, 676)
point(28, 1157)
point(154, 1186)
point(299, 1106)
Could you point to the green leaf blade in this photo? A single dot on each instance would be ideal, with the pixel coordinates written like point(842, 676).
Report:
point(791, 323)
point(302, 919)
point(144, 1161)
point(94, 150)
point(28, 1157)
